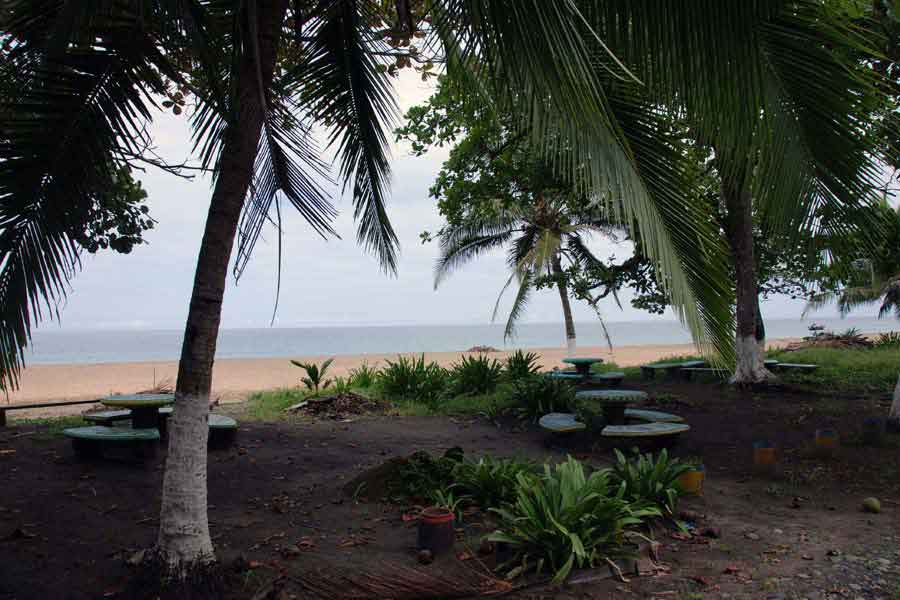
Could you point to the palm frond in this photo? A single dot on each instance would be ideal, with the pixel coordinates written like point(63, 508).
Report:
point(526, 281)
point(342, 86)
point(456, 251)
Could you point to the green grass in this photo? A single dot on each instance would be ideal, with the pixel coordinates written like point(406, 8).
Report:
point(861, 371)
point(490, 405)
point(51, 427)
point(269, 405)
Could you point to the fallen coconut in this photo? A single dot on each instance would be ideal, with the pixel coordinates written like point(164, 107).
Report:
point(871, 505)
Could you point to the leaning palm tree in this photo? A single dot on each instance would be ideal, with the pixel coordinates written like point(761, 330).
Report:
point(267, 75)
point(543, 238)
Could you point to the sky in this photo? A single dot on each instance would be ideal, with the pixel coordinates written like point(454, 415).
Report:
point(333, 282)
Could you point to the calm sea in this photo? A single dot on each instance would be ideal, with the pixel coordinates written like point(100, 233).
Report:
point(147, 345)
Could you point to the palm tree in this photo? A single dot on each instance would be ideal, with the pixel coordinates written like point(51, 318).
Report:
point(264, 76)
point(540, 237)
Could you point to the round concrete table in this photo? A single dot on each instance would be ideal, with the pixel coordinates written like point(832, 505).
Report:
point(582, 365)
point(613, 402)
point(144, 407)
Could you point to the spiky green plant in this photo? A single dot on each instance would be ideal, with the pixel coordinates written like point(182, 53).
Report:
point(650, 479)
point(521, 365)
point(315, 374)
point(475, 375)
point(490, 482)
point(363, 376)
point(537, 395)
point(413, 378)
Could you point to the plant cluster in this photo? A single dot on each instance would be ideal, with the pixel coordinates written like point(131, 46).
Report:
point(891, 339)
point(363, 376)
point(475, 375)
point(651, 480)
point(522, 365)
point(413, 378)
point(315, 374)
point(537, 395)
point(566, 519)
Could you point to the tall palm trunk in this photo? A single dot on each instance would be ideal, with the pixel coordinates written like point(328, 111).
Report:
point(184, 541)
point(571, 344)
point(894, 415)
point(749, 336)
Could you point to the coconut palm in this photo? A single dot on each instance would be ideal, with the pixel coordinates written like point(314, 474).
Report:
point(266, 75)
point(543, 239)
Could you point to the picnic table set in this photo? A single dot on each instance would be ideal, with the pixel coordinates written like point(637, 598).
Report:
point(148, 414)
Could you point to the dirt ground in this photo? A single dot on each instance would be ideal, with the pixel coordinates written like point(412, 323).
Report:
point(68, 528)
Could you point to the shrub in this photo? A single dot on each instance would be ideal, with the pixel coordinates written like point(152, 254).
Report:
point(538, 395)
point(490, 482)
point(650, 480)
point(424, 477)
point(363, 376)
point(891, 339)
point(413, 378)
point(565, 519)
point(475, 375)
point(341, 385)
point(521, 365)
point(315, 374)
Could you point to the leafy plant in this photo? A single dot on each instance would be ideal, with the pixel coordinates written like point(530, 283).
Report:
point(446, 498)
point(363, 376)
point(521, 365)
point(413, 378)
point(341, 385)
point(490, 482)
point(422, 476)
point(566, 519)
point(476, 375)
point(315, 374)
point(891, 339)
point(538, 395)
point(650, 480)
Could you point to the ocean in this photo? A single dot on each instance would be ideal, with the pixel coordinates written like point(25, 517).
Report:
point(107, 346)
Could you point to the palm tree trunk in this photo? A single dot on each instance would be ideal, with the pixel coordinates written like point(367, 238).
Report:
point(571, 344)
point(749, 367)
point(894, 415)
point(184, 542)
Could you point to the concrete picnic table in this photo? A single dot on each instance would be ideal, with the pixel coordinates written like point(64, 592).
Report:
point(144, 407)
point(613, 402)
point(582, 365)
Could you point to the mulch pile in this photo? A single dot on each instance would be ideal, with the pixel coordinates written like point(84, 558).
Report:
point(826, 339)
point(340, 406)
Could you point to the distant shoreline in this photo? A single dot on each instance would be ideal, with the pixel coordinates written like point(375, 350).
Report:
point(235, 378)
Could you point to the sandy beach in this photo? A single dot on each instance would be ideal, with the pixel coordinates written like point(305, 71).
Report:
point(234, 379)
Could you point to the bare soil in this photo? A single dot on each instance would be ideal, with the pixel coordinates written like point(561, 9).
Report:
point(68, 529)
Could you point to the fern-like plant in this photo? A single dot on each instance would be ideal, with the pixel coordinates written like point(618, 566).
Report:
point(475, 375)
point(413, 378)
point(521, 365)
point(315, 374)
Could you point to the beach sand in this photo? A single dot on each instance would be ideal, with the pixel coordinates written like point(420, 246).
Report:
point(234, 379)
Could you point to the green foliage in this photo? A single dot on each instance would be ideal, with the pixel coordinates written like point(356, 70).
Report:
point(413, 378)
point(891, 339)
point(363, 376)
point(51, 427)
point(521, 365)
point(315, 374)
point(422, 476)
point(490, 482)
point(270, 404)
point(565, 519)
point(475, 375)
point(845, 370)
point(650, 480)
point(538, 395)
point(341, 385)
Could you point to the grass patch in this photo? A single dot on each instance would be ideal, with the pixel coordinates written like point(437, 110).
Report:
point(49, 428)
point(490, 405)
point(862, 371)
point(269, 405)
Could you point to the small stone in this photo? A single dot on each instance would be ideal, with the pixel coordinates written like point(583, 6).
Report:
point(777, 531)
point(871, 505)
point(751, 536)
point(425, 557)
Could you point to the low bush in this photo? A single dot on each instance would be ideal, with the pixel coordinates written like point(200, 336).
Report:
point(522, 365)
point(891, 339)
point(424, 477)
point(650, 480)
point(566, 519)
point(474, 375)
point(413, 378)
point(490, 482)
point(537, 395)
point(363, 376)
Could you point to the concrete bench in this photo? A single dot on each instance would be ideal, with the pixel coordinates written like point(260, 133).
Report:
point(652, 416)
point(611, 403)
point(564, 375)
point(645, 431)
point(107, 417)
point(91, 440)
point(670, 368)
point(688, 373)
point(561, 423)
point(222, 430)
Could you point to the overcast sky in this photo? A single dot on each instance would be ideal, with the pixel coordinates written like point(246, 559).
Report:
point(323, 282)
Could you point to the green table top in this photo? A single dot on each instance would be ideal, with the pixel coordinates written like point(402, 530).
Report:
point(111, 434)
point(139, 400)
point(612, 396)
point(582, 360)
